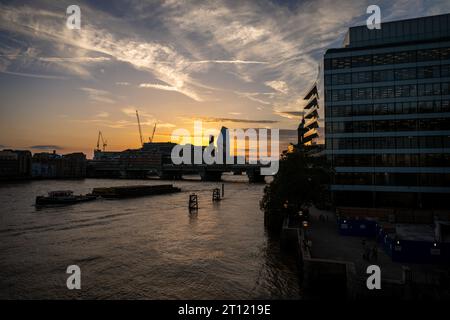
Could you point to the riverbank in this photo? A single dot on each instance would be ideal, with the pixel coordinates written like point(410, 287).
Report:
point(333, 266)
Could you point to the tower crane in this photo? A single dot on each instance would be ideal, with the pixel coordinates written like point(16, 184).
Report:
point(140, 130)
point(104, 142)
point(153, 134)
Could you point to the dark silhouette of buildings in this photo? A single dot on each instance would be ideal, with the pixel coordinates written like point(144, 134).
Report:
point(15, 164)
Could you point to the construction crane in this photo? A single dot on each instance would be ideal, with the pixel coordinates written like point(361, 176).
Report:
point(153, 134)
point(104, 142)
point(140, 130)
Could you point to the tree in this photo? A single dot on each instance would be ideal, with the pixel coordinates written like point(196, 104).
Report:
point(301, 181)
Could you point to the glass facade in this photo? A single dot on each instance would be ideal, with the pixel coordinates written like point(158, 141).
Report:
point(387, 114)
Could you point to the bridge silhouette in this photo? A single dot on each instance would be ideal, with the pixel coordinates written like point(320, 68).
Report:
point(134, 168)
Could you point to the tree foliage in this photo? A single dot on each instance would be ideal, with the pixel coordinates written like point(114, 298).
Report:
point(301, 180)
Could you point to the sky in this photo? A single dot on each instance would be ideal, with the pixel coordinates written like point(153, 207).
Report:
point(239, 64)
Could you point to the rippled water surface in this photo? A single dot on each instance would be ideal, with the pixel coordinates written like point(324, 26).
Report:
point(143, 248)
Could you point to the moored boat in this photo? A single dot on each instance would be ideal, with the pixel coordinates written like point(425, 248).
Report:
point(64, 197)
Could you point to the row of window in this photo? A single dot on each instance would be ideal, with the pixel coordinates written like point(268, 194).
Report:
point(378, 59)
point(386, 92)
point(392, 160)
point(394, 179)
point(427, 72)
point(388, 108)
point(389, 125)
point(388, 142)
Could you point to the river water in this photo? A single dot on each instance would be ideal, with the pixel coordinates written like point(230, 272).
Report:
point(141, 248)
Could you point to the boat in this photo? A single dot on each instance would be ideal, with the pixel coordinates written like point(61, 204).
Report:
point(122, 192)
point(63, 197)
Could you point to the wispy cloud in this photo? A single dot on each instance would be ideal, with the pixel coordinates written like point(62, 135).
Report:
point(290, 114)
point(234, 120)
point(157, 86)
point(102, 115)
point(229, 62)
point(75, 59)
point(34, 75)
point(98, 95)
point(278, 85)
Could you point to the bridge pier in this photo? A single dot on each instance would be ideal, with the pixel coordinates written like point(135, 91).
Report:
point(210, 175)
point(163, 175)
point(254, 176)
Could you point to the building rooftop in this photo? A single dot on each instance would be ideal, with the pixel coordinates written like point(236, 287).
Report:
point(418, 29)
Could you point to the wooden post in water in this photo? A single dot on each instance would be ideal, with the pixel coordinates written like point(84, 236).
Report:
point(216, 195)
point(223, 190)
point(193, 202)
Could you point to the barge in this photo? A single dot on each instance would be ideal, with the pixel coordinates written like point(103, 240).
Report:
point(122, 192)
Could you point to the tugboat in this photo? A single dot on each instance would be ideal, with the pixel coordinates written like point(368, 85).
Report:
point(63, 198)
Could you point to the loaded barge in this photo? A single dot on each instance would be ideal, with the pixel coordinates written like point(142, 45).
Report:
point(134, 191)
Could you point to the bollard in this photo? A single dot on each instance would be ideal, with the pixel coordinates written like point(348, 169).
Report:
point(193, 202)
point(216, 195)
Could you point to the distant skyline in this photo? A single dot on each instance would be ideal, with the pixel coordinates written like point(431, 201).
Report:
point(232, 63)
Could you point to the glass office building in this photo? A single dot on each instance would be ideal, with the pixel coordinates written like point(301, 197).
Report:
point(387, 115)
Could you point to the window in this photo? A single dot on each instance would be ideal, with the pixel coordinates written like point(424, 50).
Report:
point(445, 105)
point(362, 93)
point(406, 91)
point(383, 75)
point(405, 74)
point(445, 70)
point(445, 53)
point(361, 61)
point(445, 88)
point(382, 59)
point(406, 125)
point(341, 63)
point(362, 109)
point(429, 89)
point(342, 95)
point(342, 78)
point(405, 57)
point(428, 72)
point(428, 55)
point(362, 77)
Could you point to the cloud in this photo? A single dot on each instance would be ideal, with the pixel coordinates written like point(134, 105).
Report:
point(233, 120)
point(46, 147)
point(102, 115)
point(97, 95)
point(75, 59)
point(123, 83)
point(255, 96)
point(157, 86)
point(34, 75)
point(277, 85)
point(290, 114)
point(164, 62)
point(229, 62)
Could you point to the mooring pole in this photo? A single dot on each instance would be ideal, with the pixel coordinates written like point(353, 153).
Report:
point(193, 202)
point(223, 190)
point(216, 195)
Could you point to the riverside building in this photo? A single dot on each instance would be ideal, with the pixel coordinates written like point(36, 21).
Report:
point(387, 115)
